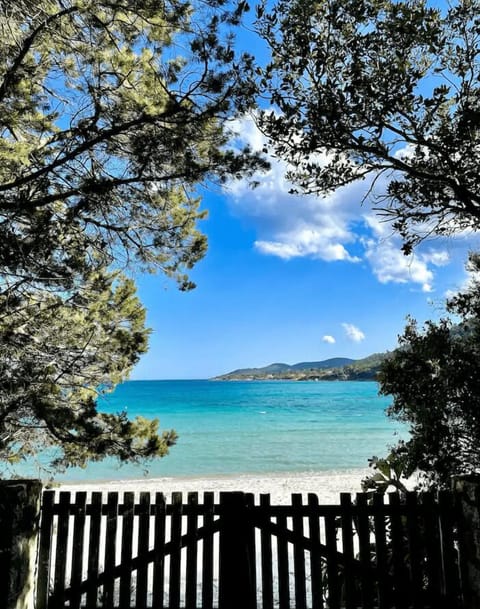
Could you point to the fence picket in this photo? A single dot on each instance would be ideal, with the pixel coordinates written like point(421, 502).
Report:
point(266, 556)
point(414, 545)
point(94, 549)
point(61, 549)
point(432, 548)
point(126, 551)
point(382, 575)
point(298, 553)
point(44, 549)
point(108, 597)
point(141, 592)
point(333, 580)
point(158, 586)
point(451, 588)
point(250, 549)
point(365, 551)
point(78, 544)
point(176, 552)
point(207, 554)
point(316, 575)
point(283, 567)
point(349, 574)
point(191, 576)
point(399, 569)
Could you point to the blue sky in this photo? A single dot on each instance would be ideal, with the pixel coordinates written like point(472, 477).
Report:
point(292, 278)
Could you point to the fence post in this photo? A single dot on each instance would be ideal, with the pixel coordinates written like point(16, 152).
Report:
point(237, 585)
point(19, 515)
point(467, 489)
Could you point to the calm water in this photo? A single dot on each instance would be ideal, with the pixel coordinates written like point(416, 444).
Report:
point(242, 427)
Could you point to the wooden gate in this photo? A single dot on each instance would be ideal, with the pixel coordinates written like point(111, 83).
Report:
point(125, 553)
point(365, 554)
point(142, 552)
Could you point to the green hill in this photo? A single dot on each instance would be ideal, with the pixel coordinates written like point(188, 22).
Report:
point(336, 368)
point(334, 362)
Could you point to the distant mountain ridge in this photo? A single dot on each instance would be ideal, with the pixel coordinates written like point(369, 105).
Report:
point(334, 362)
point(335, 368)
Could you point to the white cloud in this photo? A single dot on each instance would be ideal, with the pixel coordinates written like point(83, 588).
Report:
point(390, 265)
point(305, 241)
point(290, 225)
point(331, 228)
point(438, 258)
point(451, 293)
point(328, 339)
point(353, 333)
point(470, 278)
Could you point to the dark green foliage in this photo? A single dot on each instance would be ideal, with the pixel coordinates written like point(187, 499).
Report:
point(389, 92)
point(433, 378)
point(379, 89)
point(107, 132)
point(112, 113)
point(56, 358)
point(390, 474)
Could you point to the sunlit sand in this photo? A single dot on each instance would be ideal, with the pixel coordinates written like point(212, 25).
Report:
point(326, 485)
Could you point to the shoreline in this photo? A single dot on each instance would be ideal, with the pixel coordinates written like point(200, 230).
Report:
point(327, 485)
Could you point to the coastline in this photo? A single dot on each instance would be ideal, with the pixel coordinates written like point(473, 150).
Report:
point(327, 485)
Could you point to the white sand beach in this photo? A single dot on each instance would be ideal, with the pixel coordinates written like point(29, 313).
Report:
point(327, 485)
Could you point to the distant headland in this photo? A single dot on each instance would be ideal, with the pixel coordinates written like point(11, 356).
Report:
point(333, 369)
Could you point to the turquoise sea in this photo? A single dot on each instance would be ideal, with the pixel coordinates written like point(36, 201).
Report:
point(254, 426)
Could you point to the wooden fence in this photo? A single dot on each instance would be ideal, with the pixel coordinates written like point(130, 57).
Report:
point(142, 552)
